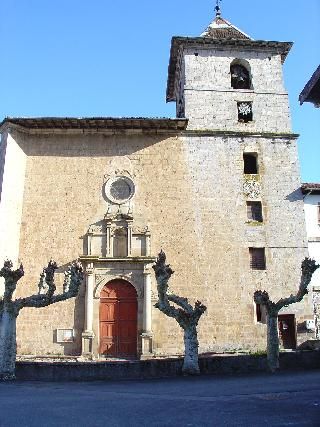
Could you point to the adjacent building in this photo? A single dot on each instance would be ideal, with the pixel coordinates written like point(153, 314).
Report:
point(311, 91)
point(217, 188)
point(311, 195)
point(311, 192)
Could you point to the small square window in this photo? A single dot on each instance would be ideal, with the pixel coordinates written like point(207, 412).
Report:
point(257, 258)
point(254, 211)
point(245, 112)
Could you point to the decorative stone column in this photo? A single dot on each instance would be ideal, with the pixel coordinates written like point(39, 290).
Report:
point(109, 245)
point(88, 335)
point(148, 243)
point(146, 336)
point(89, 242)
point(129, 238)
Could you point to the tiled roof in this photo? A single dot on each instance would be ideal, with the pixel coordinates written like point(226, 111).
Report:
point(310, 187)
point(222, 29)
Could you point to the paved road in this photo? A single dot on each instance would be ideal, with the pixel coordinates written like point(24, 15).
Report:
point(259, 400)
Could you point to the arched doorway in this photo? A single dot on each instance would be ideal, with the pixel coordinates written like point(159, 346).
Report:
point(118, 319)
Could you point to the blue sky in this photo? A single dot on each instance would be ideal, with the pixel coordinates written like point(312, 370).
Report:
point(105, 58)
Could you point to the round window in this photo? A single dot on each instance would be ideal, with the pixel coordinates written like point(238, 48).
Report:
point(119, 189)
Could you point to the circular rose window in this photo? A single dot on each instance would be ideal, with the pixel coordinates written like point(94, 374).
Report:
point(119, 189)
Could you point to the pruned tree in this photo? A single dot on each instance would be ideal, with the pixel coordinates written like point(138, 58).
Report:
point(10, 309)
point(186, 315)
point(308, 267)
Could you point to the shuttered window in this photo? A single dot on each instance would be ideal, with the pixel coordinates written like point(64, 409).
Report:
point(257, 258)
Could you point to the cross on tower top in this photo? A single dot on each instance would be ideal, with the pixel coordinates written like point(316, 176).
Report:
point(217, 9)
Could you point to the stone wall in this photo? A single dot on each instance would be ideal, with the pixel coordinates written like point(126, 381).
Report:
point(159, 368)
point(189, 191)
point(210, 101)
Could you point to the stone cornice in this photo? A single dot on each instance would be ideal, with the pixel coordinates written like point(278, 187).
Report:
point(126, 127)
point(237, 134)
point(94, 125)
point(141, 259)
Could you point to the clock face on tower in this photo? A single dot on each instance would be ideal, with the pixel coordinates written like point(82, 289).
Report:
point(119, 189)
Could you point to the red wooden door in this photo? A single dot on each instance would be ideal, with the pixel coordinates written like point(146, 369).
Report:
point(118, 319)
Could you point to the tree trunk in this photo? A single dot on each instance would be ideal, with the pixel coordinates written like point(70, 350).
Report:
point(272, 343)
point(8, 346)
point(190, 363)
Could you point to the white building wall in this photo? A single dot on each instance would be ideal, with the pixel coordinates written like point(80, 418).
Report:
point(13, 166)
point(311, 203)
point(311, 208)
point(314, 252)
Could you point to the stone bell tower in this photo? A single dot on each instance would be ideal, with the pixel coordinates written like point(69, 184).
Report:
point(225, 80)
point(243, 163)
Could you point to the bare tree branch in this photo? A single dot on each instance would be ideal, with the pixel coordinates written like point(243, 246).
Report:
point(163, 273)
point(11, 277)
point(9, 310)
point(72, 282)
point(186, 315)
point(308, 267)
point(182, 302)
point(262, 298)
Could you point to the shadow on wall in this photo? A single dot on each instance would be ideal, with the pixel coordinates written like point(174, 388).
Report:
point(89, 145)
point(310, 345)
point(70, 339)
point(295, 196)
point(95, 227)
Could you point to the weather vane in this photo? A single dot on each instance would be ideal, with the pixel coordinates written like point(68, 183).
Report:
point(217, 8)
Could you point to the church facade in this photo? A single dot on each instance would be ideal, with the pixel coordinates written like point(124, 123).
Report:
point(217, 188)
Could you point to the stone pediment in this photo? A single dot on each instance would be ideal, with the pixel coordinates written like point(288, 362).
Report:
point(118, 235)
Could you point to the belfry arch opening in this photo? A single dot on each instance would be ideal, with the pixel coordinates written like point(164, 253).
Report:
point(240, 72)
point(118, 319)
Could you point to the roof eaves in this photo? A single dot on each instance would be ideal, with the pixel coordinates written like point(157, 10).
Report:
point(314, 80)
point(310, 187)
point(99, 123)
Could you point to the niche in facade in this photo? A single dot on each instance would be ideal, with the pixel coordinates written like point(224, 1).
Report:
point(240, 75)
point(120, 242)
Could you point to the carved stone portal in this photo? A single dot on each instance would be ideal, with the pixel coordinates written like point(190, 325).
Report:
point(100, 271)
point(116, 236)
